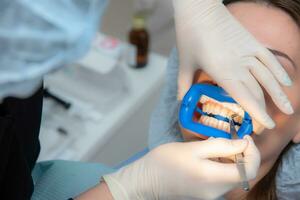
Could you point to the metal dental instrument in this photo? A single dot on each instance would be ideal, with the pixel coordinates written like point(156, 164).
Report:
point(239, 158)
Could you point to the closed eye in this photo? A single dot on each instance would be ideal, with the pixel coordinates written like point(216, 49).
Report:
point(283, 55)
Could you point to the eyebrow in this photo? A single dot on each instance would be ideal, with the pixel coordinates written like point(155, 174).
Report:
point(279, 53)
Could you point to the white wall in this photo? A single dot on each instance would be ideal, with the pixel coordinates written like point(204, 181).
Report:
point(117, 22)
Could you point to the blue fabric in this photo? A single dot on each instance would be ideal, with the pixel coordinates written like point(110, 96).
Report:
point(288, 175)
point(60, 180)
point(37, 37)
point(64, 179)
point(164, 129)
point(133, 158)
point(164, 121)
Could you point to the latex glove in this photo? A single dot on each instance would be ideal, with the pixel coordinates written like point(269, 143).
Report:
point(183, 171)
point(211, 39)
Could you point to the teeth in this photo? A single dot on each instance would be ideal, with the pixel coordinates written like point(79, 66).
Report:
point(205, 99)
point(235, 108)
point(225, 109)
point(202, 119)
point(204, 108)
point(212, 122)
point(227, 127)
point(230, 113)
point(218, 109)
point(223, 126)
point(209, 106)
point(223, 112)
point(231, 106)
point(239, 119)
point(213, 106)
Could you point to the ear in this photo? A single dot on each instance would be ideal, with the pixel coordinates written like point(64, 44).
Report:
point(296, 138)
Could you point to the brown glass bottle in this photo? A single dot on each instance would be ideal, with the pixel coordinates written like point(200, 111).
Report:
point(139, 37)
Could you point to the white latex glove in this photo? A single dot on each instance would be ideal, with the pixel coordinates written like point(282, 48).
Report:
point(184, 171)
point(211, 39)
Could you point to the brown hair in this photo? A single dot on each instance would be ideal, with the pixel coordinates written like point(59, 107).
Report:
point(292, 7)
point(265, 189)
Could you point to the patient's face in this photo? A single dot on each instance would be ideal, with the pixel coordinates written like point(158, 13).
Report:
point(275, 30)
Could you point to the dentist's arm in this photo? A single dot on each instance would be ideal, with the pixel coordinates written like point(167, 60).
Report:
point(178, 171)
point(209, 38)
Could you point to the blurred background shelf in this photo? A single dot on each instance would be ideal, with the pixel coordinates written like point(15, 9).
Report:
point(109, 116)
point(117, 22)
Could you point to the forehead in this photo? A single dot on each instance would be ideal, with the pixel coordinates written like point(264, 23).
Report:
point(271, 26)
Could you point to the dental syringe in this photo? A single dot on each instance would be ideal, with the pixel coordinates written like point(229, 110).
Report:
point(239, 158)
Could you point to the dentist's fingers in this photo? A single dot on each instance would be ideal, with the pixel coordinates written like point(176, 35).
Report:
point(270, 61)
point(185, 80)
point(252, 158)
point(219, 147)
point(240, 92)
point(224, 172)
point(273, 88)
point(251, 83)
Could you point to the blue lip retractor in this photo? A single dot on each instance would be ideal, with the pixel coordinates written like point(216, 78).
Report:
point(190, 107)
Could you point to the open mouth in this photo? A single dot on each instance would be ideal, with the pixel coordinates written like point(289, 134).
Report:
point(217, 114)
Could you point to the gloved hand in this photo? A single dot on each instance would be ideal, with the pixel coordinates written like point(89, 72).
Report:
point(183, 171)
point(209, 38)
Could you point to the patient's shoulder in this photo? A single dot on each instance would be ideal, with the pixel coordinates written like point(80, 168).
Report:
point(288, 174)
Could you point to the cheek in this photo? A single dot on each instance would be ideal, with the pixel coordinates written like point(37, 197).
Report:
point(202, 77)
point(293, 94)
point(189, 136)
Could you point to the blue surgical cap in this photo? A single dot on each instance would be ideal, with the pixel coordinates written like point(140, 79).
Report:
point(37, 37)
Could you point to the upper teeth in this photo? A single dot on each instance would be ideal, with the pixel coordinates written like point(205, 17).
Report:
point(230, 106)
point(212, 106)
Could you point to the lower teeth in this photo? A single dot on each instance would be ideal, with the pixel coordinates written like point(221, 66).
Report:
point(208, 120)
